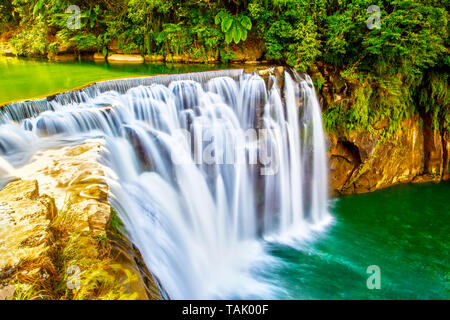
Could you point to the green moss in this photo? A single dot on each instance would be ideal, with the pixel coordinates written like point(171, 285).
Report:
point(319, 81)
point(115, 223)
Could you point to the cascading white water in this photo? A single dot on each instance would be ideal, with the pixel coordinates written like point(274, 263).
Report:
point(314, 151)
point(201, 168)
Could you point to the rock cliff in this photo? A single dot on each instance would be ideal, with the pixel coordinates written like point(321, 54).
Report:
point(364, 160)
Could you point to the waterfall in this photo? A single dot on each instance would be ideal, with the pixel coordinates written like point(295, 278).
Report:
point(203, 168)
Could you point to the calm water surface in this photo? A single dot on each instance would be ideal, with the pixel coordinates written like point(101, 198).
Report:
point(22, 79)
point(403, 229)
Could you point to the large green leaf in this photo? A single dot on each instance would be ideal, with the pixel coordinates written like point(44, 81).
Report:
point(226, 23)
point(245, 22)
point(228, 37)
point(161, 37)
point(244, 35)
point(236, 33)
point(219, 17)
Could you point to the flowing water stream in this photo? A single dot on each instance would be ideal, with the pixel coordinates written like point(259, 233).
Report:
point(220, 178)
point(202, 167)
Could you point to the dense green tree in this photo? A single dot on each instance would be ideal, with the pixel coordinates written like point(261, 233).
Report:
point(398, 68)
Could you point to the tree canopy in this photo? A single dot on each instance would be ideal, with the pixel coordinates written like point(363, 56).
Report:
point(404, 59)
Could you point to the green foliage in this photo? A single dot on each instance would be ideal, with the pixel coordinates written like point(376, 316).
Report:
point(234, 27)
point(374, 101)
point(293, 35)
point(31, 41)
point(405, 62)
point(174, 37)
point(350, 117)
point(115, 223)
point(6, 14)
point(305, 50)
point(434, 98)
point(319, 82)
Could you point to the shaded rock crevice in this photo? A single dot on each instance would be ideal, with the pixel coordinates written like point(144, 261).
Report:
point(433, 147)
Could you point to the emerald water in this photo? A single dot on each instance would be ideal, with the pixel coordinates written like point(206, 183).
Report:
point(23, 79)
point(403, 230)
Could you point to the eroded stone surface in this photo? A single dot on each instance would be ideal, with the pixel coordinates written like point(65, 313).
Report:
point(25, 216)
point(73, 175)
point(126, 58)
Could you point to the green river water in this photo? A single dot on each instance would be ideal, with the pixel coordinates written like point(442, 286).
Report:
point(22, 79)
point(404, 230)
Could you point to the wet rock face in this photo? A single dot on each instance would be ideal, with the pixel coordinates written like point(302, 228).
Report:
point(344, 158)
point(446, 155)
point(251, 52)
point(335, 89)
point(434, 153)
point(362, 161)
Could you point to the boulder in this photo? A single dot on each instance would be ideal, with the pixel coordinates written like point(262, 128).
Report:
point(98, 57)
point(361, 161)
point(125, 58)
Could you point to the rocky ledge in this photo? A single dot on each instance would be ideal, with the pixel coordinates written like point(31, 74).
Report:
point(57, 228)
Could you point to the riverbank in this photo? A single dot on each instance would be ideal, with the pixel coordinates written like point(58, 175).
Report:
point(250, 53)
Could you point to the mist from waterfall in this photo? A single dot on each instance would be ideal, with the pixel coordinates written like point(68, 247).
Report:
point(203, 169)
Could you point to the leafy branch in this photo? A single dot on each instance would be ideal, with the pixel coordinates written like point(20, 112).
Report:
point(234, 27)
